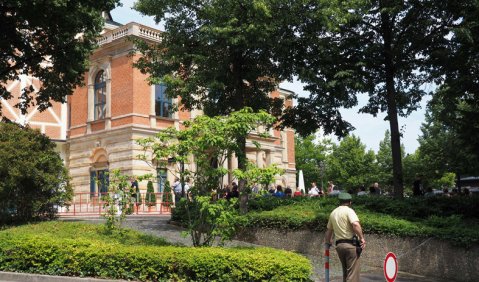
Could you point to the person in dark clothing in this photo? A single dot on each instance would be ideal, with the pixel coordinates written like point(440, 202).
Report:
point(417, 187)
point(279, 192)
point(288, 193)
point(234, 192)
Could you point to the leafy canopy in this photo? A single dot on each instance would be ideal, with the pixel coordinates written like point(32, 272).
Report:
point(219, 56)
point(42, 39)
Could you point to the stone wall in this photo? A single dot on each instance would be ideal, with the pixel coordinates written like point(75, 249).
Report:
point(422, 256)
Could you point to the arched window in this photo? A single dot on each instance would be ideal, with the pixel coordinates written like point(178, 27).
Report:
point(100, 96)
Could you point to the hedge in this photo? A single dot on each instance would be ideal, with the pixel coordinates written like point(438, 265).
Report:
point(444, 218)
point(49, 253)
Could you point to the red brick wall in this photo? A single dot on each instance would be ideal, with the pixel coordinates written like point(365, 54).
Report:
point(142, 91)
point(121, 86)
point(79, 105)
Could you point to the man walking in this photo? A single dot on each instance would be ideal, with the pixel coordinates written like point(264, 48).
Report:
point(344, 223)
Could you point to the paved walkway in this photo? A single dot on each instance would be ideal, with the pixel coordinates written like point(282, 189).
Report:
point(158, 226)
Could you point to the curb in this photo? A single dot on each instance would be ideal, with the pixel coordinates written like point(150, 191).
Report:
point(28, 277)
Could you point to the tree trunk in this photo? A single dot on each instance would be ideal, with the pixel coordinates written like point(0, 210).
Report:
point(386, 28)
point(241, 155)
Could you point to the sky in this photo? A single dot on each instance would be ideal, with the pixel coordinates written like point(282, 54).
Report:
point(368, 128)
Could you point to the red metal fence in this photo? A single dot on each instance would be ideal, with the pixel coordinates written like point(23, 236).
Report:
point(91, 204)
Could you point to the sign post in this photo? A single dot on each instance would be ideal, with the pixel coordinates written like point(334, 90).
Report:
point(390, 267)
point(326, 263)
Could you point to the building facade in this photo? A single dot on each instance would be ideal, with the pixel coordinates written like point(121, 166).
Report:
point(96, 131)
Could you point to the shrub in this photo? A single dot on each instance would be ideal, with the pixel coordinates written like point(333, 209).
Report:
point(34, 181)
point(46, 252)
point(150, 197)
point(443, 218)
point(167, 199)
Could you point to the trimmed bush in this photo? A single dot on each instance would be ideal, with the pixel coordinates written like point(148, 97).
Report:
point(443, 218)
point(150, 197)
point(167, 199)
point(55, 251)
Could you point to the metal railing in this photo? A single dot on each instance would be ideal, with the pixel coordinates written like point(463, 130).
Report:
point(94, 204)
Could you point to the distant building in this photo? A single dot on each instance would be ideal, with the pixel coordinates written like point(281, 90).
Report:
point(97, 128)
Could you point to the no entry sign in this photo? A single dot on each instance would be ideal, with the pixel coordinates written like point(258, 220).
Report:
point(390, 267)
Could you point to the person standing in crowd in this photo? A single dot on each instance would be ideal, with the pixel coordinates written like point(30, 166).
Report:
point(417, 187)
point(288, 193)
point(298, 192)
point(330, 187)
point(279, 192)
point(314, 191)
point(377, 190)
point(177, 189)
point(344, 224)
point(362, 191)
point(234, 191)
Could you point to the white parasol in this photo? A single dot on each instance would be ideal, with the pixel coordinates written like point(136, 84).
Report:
point(301, 182)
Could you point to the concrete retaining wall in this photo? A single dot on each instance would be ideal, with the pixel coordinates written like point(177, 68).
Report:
point(427, 257)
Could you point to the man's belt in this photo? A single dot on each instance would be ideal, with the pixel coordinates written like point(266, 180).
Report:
point(344, 241)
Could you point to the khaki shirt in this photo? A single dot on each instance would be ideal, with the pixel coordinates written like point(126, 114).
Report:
point(340, 221)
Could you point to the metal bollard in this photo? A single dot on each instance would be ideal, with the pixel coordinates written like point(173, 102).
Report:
point(326, 262)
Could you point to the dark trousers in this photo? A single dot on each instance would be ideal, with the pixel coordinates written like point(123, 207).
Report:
point(350, 262)
point(177, 197)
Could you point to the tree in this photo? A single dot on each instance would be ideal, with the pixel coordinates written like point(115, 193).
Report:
point(457, 100)
point(384, 160)
point(219, 56)
point(413, 167)
point(441, 150)
point(41, 39)
point(310, 156)
point(384, 48)
point(349, 165)
point(34, 180)
point(210, 141)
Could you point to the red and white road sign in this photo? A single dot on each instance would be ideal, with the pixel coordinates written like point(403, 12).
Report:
point(390, 267)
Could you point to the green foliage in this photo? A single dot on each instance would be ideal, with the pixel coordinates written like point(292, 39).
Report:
point(166, 198)
point(228, 61)
point(453, 219)
point(74, 249)
point(385, 161)
point(440, 148)
point(207, 139)
point(118, 202)
point(386, 49)
point(310, 156)
point(208, 220)
point(350, 166)
point(40, 39)
point(447, 180)
point(34, 180)
point(458, 96)
point(254, 174)
point(150, 196)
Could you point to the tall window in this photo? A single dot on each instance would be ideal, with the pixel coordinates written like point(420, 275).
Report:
point(161, 179)
point(100, 96)
point(162, 102)
point(99, 182)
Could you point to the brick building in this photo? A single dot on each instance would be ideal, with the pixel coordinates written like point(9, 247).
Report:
point(97, 128)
